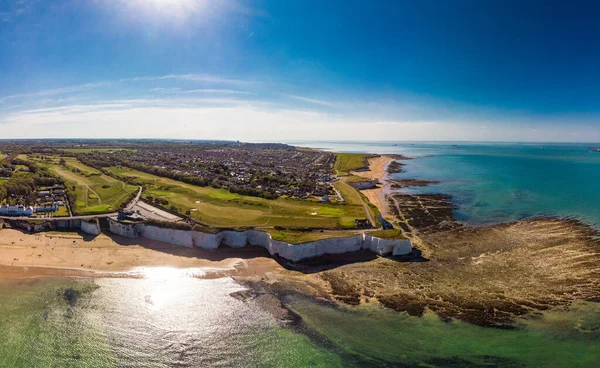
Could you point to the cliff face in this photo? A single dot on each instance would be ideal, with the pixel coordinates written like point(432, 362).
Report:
point(238, 239)
point(124, 229)
point(172, 236)
point(92, 227)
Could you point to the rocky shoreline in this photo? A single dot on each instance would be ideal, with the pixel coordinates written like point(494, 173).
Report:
point(484, 275)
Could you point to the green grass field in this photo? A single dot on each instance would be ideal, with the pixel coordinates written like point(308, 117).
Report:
point(346, 162)
point(62, 212)
point(350, 194)
point(221, 208)
point(387, 234)
point(96, 193)
point(73, 162)
point(299, 237)
point(353, 196)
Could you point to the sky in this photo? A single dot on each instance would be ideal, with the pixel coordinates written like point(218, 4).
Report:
point(300, 70)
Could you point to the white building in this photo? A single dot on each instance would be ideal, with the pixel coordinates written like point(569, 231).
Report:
point(46, 208)
point(18, 210)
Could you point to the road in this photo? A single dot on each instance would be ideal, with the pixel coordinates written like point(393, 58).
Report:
point(85, 217)
point(134, 201)
point(365, 206)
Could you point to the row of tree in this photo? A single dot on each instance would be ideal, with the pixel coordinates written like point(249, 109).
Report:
point(99, 162)
point(21, 187)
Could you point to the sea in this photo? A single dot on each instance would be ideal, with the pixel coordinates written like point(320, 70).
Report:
point(168, 319)
point(499, 182)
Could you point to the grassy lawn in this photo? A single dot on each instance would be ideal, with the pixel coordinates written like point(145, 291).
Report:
point(346, 162)
point(354, 179)
point(221, 208)
point(299, 237)
point(350, 195)
point(387, 234)
point(73, 162)
point(96, 193)
point(353, 197)
point(62, 212)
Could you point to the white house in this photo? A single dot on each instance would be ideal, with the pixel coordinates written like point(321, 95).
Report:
point(18, 210)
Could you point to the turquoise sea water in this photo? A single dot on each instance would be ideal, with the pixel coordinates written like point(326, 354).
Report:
point(503, 181)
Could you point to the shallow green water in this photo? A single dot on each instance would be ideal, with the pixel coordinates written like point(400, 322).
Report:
point(173, 321)
point(372, 333)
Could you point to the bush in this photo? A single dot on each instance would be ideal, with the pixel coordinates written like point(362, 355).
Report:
point(295, 228)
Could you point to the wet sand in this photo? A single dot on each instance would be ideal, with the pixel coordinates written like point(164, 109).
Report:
point(64, 254)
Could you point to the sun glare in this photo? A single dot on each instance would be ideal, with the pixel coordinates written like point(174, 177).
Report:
point(164, 9)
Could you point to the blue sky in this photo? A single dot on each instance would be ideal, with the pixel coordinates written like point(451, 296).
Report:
point(285, 70)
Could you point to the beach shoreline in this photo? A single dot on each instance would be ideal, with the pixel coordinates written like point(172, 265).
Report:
point(377, 171)
point(486, 275)
point(72, 254)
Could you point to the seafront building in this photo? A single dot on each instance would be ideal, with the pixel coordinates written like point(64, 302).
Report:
point(18, 210)
point(23, 211)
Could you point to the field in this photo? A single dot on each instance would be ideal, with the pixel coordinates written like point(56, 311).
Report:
point(96, 193)
point(221, 208)
point(73, 162)
point(350, 195)
point(353, 197)
point(346, 162)
point(62, 212)
point(387, 234)
point(299, 237)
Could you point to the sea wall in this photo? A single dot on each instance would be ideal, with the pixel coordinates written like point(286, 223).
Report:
point(172, 236)
point(31, 226)
point(127, 230)
point(239, 239)
point(91, 227)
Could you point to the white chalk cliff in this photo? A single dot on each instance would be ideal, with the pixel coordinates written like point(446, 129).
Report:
point(239, 239)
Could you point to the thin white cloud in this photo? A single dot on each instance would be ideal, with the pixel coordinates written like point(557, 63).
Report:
point(310, 100)
point(203, 78)
point(245, 120)
point(56, 91)
point(200, 90)
point(197, 78)
point(166, 90)
point(224, 91)
point(16, 8)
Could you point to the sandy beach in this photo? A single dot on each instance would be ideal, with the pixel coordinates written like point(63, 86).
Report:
point(60, 254)
point(377, 171)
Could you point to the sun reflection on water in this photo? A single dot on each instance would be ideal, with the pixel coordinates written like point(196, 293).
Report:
point(169, 273)
point(165, 286)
